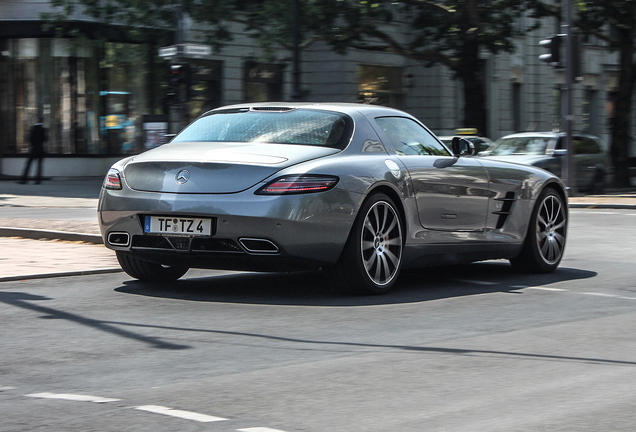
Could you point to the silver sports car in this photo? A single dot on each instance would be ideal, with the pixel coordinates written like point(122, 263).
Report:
point(360, 191)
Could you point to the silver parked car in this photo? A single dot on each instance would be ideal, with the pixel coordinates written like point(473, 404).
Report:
point(360, 191)
point(547, 150)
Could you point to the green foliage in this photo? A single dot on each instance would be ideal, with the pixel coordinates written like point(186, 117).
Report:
point(438, 31)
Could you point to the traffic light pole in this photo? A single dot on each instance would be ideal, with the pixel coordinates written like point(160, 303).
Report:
point(553, 58)
point(176, 110)
point(569, 165)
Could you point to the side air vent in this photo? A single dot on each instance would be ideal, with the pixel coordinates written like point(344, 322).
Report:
point(506, 208)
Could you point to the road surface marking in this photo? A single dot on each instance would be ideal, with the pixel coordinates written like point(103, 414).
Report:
point(72, 397)
point(584, 293)
point(547, 289)
point(608, 295)
point(5, 388)
point(187, 415)
point(259, 429)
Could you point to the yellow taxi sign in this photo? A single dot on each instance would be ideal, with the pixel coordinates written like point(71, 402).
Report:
point(112, 121)
point(466, 131)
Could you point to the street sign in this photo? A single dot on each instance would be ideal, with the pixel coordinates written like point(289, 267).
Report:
point(169, 51)
point(186, 50)
point(196, 50)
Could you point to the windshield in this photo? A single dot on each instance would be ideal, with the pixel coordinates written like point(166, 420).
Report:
point(295, 126)
point(521, 146)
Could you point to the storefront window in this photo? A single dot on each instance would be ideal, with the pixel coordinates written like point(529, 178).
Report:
point(122, 97)
point(205, 87)
point(89, 98)
point(380, 85)
point(263, 82)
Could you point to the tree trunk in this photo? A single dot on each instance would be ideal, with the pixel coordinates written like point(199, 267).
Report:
point(470, 69)
point(475, 115)
point(621, 124)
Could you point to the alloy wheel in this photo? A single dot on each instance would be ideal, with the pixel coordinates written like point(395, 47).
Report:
point(381, 244)
point(551, 226)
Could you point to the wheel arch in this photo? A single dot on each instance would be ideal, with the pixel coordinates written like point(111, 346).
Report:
point(397, 200)
point(395, 197)
point(558, 187)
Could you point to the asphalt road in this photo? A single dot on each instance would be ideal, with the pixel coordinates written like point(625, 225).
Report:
point(470, 348)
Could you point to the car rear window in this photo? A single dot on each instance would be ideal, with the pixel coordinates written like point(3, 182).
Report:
point(295, 126)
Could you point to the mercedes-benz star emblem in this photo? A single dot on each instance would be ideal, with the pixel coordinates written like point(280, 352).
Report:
point(182, 176)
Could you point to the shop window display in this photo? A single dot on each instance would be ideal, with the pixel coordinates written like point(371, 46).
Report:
point(90, 98)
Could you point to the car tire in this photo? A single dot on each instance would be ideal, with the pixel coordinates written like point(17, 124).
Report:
point(372, 257)
point(544, 244)
point(148, 271)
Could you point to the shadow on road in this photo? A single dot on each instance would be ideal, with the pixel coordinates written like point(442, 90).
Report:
point(29, 302)
point(313, 289)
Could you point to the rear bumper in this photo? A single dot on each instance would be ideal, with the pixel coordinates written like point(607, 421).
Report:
point(303, 229)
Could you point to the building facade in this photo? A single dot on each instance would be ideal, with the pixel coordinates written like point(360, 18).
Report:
point(103, 101)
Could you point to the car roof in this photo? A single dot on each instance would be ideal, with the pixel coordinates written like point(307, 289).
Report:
point(342, 107)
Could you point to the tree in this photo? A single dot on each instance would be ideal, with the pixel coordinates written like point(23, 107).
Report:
point(456, 34)
point(614, 21)
point(453, 33)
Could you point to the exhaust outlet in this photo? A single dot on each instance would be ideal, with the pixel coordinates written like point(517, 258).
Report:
point(260, 246)
point(120, 239)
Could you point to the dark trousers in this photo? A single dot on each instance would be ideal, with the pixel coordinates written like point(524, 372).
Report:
point(25, 174)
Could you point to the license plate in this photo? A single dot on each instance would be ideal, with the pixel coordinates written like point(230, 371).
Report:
point(177, 225)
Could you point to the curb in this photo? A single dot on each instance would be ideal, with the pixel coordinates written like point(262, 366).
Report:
point(50, 235)
point(59, 274)
point(602, 206)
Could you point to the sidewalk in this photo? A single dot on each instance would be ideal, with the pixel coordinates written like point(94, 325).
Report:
point(64, 213)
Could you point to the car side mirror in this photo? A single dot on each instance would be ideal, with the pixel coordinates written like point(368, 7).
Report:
point(560, 152)
point(462, 147)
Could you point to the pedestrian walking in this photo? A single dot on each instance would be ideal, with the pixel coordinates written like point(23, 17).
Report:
point(38, 137)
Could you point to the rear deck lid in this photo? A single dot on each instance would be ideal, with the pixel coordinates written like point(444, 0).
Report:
point(214, 167)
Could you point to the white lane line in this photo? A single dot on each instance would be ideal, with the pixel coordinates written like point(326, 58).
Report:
point(608, 295)
point(546, 289)
point(72, 397)
point(584, 293)
point(5, 388)
point(259, 429)
point(187, 415)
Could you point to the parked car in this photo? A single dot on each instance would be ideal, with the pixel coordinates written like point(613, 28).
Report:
point(360, 191)
point(479, 142)
point(547, 150)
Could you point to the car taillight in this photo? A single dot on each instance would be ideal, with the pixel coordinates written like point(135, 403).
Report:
point(112, 180)
point(298, 184)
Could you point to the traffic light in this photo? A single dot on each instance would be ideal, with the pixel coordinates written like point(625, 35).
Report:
point(553, 46)
point(178, 81)
point(176, 74)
